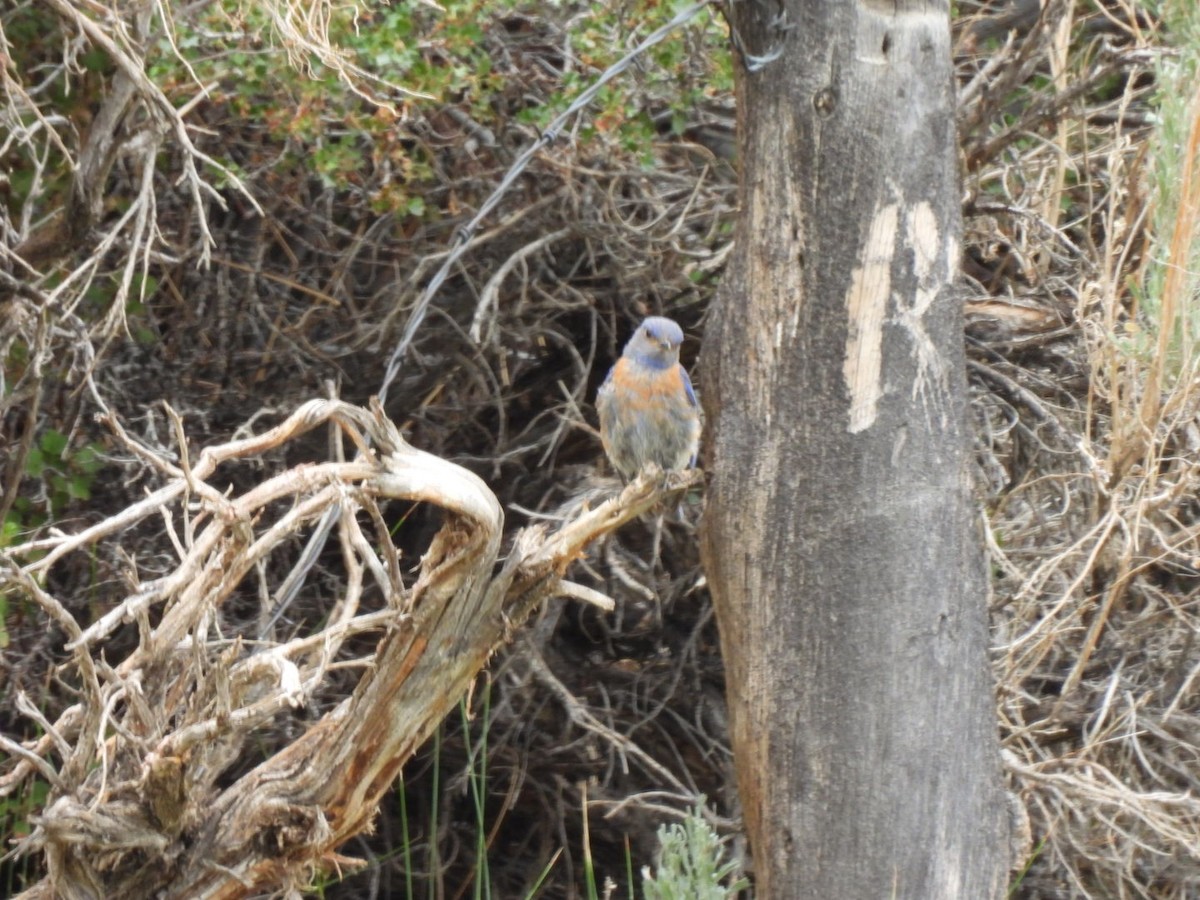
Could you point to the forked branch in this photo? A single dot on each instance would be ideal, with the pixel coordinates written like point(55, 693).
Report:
point(141, 802)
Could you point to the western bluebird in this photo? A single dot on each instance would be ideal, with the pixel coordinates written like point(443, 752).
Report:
point(648, 411)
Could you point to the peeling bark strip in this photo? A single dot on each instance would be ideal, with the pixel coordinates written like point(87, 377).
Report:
point(922, 237)
point(866, 306)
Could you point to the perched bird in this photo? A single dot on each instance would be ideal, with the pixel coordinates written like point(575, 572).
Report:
point(648, 411)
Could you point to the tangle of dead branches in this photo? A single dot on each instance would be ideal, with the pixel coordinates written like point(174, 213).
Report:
point(157, 788)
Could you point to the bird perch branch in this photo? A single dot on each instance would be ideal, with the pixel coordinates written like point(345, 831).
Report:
point(138, 806)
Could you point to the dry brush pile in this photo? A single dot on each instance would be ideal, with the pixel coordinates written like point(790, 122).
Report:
point(1086, 436)
point(1083, 378)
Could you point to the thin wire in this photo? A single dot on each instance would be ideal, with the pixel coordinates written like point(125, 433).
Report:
point(463, 235)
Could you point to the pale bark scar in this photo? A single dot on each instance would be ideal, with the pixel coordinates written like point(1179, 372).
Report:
point(924, 238)
point(866, 308)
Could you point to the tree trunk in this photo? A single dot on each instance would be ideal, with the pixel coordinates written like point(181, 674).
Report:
point(839, 540)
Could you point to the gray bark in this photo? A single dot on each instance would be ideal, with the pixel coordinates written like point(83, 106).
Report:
point(839, 540)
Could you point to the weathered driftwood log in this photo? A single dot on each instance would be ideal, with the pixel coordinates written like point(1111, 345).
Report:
point(139, 803)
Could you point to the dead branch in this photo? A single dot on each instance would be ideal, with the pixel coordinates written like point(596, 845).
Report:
point(141, 802)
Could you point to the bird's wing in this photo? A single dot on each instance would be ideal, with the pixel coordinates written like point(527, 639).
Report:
point(606, 385)
point(687, 386)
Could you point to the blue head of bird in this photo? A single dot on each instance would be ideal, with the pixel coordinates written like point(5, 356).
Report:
point(656, 343)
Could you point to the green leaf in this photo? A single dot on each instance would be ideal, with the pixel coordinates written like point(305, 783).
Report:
point(96, 61)
point(79, 488)
point(88, 460)
point(35, 462)
point(54, 443)
point(10, 531)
